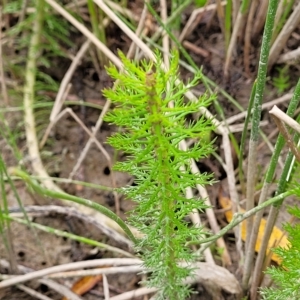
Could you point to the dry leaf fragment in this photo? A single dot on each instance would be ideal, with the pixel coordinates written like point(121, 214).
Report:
point(85, 284)
point(277, 238)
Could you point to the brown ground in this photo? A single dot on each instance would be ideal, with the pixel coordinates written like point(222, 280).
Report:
point(67, 140)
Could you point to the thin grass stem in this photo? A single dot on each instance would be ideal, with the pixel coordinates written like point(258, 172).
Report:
point(256, 115)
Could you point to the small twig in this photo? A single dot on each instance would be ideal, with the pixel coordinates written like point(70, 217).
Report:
point(203, 272)
point(235, 8)
point(196, 49)
point(71, 236)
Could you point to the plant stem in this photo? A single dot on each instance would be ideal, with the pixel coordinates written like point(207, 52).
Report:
point(228, 17)
point(243, 139)
point(5, 228)
point(238, 218)
point(284, 178)
point(29, 91)
point(260, 86)
point(281, 188)
point(267, 182)
point(154, 131)
point(71, 236)
point(64, 196)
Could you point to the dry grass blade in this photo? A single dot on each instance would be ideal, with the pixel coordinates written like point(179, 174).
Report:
point(232, 191)
point(165, 39)
point(236, 29)
point(291, 57)
point(266, 105)
point(32, 292)
point(220, 13)
point(280, 118)
point(64, 291)
point(194, 19)
point(55, 111)
point(139, 30)
point(58, 103)
point(3, 83)
point(110, 55)
point(91, 134)
point(275, 111)
point(283, 36)
point(66, 267)
point(106, 288)
point(204, 273)
point(42, 211)
point(247, 41)
point(98, 271)
point(259, 19)
point(135, 293)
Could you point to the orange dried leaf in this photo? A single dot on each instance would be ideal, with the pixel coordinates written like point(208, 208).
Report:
point(84, 284)
point(277, 238)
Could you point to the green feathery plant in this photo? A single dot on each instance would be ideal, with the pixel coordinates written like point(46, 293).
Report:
point(153, 132)
point(286, 277)
point(282, 81)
